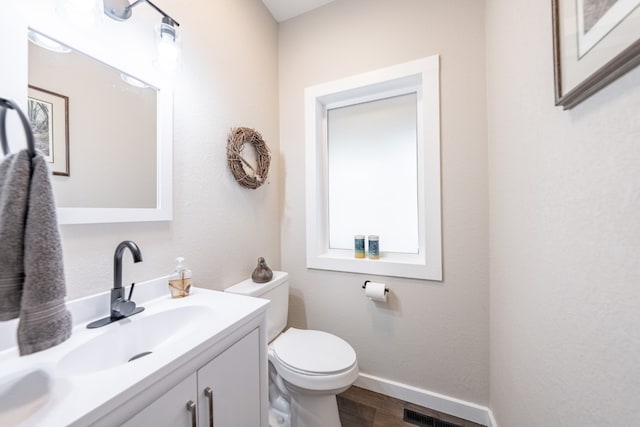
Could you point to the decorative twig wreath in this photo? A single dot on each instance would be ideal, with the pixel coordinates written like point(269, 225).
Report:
point(247, 175)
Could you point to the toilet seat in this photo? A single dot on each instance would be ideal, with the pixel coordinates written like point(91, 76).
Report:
point(314, 352)
point(314, 360)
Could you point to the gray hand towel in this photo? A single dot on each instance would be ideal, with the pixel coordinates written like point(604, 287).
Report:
point(44, 318)
point(32, 281)
point(14, 190)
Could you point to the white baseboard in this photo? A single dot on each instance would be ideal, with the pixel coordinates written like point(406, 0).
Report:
point(492, 421)
point(439, 402)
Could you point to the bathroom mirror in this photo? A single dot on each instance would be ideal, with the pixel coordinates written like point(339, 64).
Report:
point(112, 162)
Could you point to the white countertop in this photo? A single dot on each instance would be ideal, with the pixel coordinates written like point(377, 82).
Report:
point(42, 389)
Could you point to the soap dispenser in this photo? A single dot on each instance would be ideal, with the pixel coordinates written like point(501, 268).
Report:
point(180, 280)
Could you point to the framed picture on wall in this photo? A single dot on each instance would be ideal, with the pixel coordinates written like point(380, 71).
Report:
point(594, 43)
point(48, 113)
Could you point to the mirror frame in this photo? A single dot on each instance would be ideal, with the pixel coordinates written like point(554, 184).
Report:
point(122, 56)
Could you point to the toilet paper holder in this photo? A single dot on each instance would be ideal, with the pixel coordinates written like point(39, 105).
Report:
point(364, 286)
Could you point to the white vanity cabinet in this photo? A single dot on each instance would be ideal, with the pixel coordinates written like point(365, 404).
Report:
point(225, 392)
point(170, 409)
point(233, 381)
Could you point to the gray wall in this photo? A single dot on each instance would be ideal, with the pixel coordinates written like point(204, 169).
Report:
point(431, 335)
point(565, 235)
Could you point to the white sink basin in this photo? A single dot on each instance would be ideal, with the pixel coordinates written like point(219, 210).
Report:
point(131, 339)
point(21, 394)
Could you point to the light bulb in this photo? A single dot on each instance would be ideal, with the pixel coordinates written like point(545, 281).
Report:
point(167, 47)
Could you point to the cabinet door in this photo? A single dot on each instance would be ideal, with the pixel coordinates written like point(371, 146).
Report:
point(233, 379)
point(170, 409)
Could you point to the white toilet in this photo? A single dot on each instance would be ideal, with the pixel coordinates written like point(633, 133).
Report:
point(306, 368)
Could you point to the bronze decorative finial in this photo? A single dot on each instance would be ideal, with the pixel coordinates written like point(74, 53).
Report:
point(262, 273)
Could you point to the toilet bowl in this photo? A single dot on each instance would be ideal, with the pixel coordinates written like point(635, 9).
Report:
point(307, 368)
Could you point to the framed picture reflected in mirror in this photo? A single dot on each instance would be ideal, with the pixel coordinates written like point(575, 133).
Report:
point(48, 113)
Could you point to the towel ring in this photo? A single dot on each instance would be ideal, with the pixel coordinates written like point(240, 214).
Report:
point(8, 104)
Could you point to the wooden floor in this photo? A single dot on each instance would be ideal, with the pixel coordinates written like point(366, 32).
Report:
point(363, 408)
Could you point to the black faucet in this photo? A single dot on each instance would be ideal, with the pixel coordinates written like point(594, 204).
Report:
point(121, 307)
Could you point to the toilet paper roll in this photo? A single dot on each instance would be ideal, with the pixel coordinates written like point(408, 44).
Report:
point(376, 291)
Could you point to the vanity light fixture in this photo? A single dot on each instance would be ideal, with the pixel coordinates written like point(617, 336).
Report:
point(166, 50)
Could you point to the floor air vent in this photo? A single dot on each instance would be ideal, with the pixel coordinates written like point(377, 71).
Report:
point(416, 418)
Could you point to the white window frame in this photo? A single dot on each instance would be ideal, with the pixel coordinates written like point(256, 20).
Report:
point(421, 77)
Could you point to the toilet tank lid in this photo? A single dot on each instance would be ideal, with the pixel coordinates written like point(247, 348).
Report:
point(250, 288)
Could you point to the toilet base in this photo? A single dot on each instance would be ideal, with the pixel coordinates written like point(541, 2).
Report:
point(292, 406)
point(278, 418)
point(314, 410)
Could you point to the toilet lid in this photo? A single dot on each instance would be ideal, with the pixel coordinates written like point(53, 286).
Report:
point(314, 351)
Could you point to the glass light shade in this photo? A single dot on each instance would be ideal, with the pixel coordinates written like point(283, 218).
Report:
point(166, 47)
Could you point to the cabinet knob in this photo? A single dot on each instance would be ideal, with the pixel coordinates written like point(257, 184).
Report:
point(209, 393)
point(191, 407)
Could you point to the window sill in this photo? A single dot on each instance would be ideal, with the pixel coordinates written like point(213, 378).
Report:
point(389, 264)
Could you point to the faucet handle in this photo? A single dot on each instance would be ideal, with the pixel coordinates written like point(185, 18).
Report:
point(131, 291)
point(124, 308)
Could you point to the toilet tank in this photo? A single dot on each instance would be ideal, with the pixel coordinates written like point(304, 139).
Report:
point(276, 291)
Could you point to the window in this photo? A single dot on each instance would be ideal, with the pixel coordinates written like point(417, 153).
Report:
point(373, 167)
point(372, 173)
